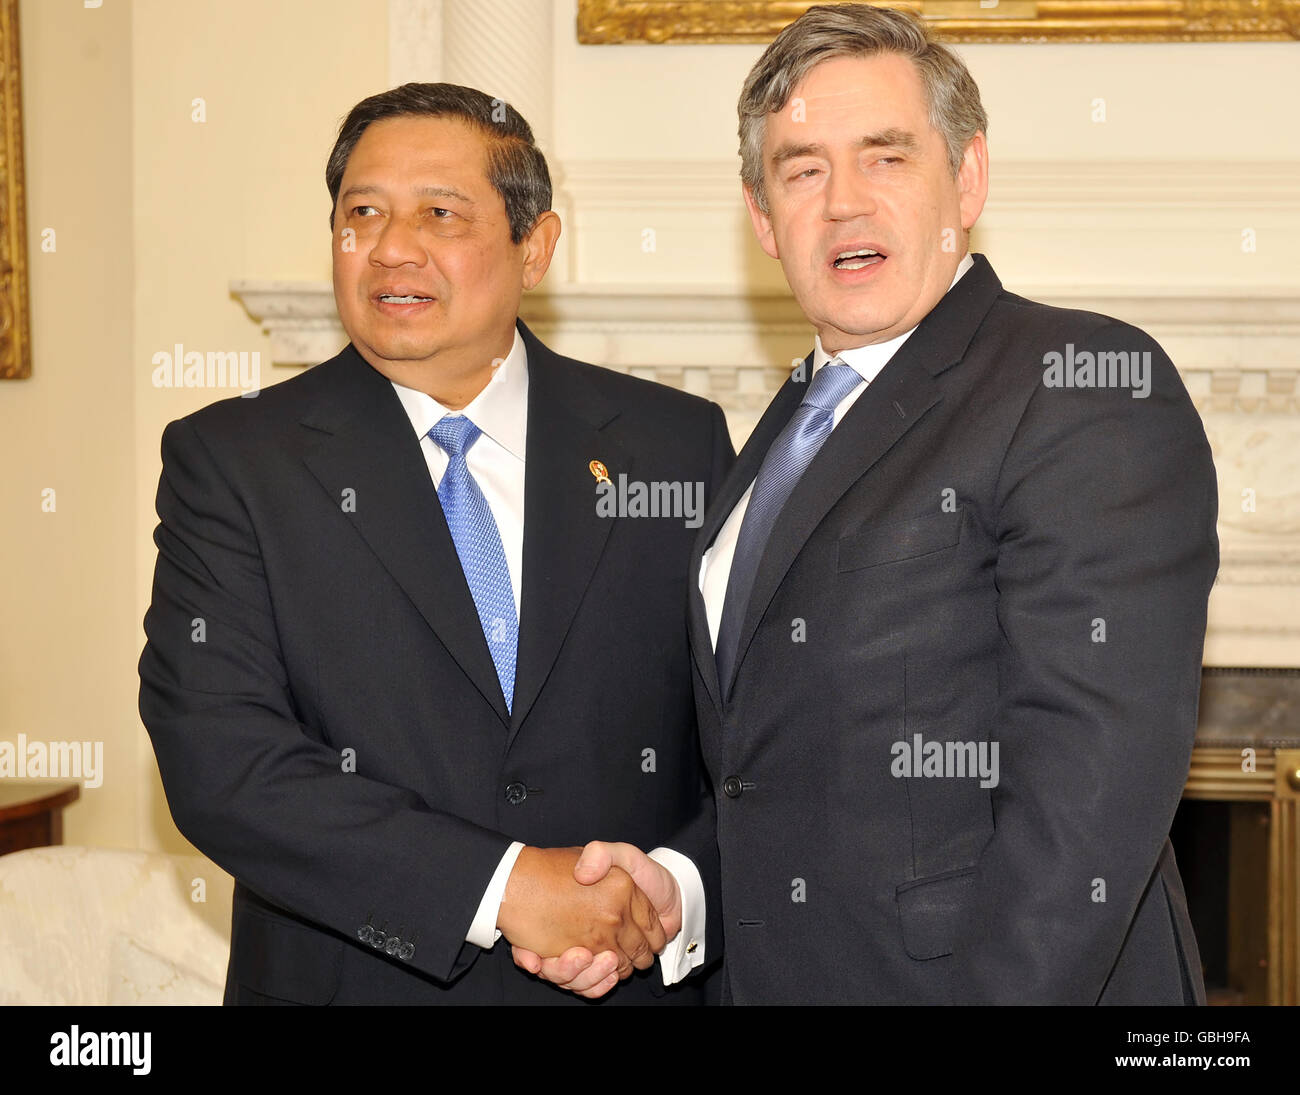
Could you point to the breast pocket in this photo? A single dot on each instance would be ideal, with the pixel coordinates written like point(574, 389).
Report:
point(898, 540)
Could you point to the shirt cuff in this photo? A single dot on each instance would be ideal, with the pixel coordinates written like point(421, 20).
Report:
point(483, 932)
point(686, 950)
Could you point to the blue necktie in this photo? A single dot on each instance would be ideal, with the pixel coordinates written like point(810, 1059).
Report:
point(782, 467)
point(478, 544)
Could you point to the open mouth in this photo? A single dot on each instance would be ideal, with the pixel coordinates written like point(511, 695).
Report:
point(388, 298)
point(859, 259)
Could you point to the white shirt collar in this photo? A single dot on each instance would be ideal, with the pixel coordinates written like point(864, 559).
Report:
point(500, 410)
point(867, 361)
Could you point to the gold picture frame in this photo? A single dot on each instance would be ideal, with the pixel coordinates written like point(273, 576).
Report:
point(607, 22)
point(15, 315)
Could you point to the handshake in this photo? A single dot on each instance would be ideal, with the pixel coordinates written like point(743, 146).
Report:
point(584, 918)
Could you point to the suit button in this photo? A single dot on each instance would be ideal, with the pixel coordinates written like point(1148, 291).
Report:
point(516, 793)
point(732, 787)
point(392, 945)
point(376, 939)
point(406, 952)
point(365, 933)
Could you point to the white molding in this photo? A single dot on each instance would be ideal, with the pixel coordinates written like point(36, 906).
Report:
point(503, 47)
point(1123, 224)
point(414, 41)
point(299, 317)
point(1259, 329)
point(1013, 184)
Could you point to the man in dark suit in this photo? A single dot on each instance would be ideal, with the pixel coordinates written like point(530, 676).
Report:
point(952, 597)
point(390, 680)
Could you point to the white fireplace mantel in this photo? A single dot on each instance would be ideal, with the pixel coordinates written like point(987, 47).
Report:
point(1235, 347)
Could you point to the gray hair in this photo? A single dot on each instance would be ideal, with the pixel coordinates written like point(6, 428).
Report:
point(516, 167)
point(855, 30)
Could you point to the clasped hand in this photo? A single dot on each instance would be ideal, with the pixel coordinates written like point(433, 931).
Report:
point(584, 918)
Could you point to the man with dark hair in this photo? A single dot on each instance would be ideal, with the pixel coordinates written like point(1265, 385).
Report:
point(399, 660)
point(516, 168)
point(947, 612)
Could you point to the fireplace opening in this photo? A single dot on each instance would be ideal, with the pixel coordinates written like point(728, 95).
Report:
point(1222, 851)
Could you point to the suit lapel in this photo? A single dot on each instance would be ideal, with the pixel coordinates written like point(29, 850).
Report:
point(369, 448)
point(733, 488)
point(895, 401)
point(563, 534)
point(881, 415)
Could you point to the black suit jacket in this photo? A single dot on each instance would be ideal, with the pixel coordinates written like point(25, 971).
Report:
point(941, 570)
point(338, 740)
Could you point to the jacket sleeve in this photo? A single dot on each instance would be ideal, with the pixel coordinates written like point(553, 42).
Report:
point(1106, 509)
point(252, 786)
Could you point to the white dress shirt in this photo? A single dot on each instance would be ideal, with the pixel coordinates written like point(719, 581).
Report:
point(867, 361)
point(496, 461)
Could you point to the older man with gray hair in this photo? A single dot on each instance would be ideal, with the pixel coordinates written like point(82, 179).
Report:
point(950, 603)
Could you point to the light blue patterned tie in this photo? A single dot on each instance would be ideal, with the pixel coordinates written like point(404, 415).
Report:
point(782, 467)
point(478, 543)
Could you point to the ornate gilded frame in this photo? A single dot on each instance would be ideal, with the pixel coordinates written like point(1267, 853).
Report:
point(681, 21)
point(15, 315)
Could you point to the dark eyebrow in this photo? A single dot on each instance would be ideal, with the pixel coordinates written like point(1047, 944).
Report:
point(358, 189)
point(887, 138)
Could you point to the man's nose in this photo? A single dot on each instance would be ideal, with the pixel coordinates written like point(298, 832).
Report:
point(848, 193)
point(399, 242)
